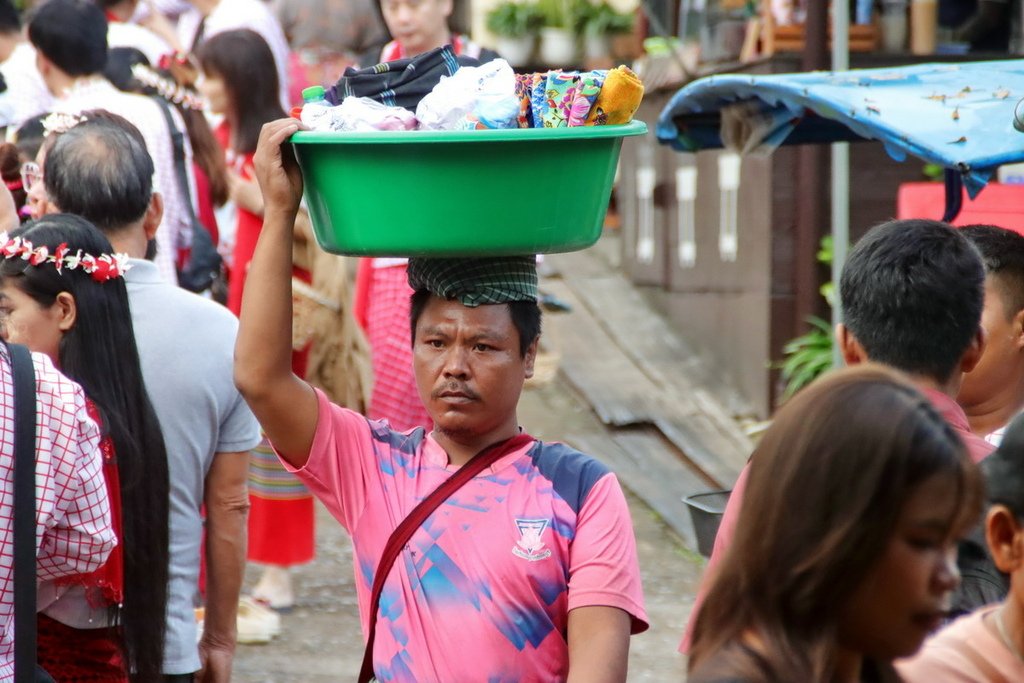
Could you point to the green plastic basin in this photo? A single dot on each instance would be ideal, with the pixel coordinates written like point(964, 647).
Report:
point(459, 193)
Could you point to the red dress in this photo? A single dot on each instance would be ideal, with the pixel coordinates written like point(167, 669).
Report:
point(281, 508)
point(72, 655)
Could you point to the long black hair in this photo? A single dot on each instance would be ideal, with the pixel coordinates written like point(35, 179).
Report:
point(99, 353)
point(243, 61)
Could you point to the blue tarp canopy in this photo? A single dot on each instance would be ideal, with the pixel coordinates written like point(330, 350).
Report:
point(959, 116)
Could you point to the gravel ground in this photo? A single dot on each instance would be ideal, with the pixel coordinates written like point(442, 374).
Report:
point(321, 640)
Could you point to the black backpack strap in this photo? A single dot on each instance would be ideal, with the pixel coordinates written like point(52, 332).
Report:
point(25, 514)
point(178, 146)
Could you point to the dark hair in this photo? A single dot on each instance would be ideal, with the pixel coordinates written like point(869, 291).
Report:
point(100, 171)
point(99, 352)
point(827, 485)
point(10, 171)
point(243, 61)
point(118, 69)
point(72, 34)
point(207, 153)
point(29, 135)
point(1004, 469)
point(10, 20)
point(912, 293)
point(1002, 252)
point(526, 317)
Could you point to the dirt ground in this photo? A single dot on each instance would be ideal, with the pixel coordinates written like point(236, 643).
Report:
point(321, 639)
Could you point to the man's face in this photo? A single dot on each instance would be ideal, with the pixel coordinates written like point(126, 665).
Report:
point(994, 372)
point(418, 25)
point(469, 370)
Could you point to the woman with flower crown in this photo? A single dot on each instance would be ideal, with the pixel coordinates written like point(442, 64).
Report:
point(62, 294)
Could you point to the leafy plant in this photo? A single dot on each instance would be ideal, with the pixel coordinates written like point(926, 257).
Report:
point(558, 13)
point(515, 19)
point(602, 19)
point(810, 355)
point(807, 356)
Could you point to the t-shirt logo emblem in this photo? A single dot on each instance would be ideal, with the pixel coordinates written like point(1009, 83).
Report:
point(530, 546)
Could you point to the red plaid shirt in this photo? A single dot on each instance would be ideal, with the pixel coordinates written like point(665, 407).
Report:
point(73, 532)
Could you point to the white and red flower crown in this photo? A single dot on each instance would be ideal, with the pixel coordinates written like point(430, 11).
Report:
point(102, 268)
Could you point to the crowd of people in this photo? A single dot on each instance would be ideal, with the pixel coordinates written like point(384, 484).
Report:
point(876, 534)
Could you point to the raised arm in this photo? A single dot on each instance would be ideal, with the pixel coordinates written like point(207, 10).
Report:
point(284, 404)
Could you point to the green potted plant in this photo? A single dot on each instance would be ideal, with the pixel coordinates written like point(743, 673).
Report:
point(515, 26)
point(810, 355)
point(598, 23)
point(557, 39)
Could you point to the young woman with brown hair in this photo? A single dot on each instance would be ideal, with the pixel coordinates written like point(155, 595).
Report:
point(844, 554)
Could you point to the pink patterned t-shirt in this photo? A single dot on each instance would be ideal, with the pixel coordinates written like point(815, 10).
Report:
point(483, 589)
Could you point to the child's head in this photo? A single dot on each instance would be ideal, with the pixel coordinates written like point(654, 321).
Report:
point(1004, 521)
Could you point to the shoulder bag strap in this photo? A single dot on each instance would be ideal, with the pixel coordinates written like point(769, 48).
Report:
point(25, 516)
point(401, 535)
point(178, 143)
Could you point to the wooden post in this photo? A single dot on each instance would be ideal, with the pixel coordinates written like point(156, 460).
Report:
point(812, 171)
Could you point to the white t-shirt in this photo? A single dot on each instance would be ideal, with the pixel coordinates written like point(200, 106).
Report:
point(26, 94)
point(122, 34)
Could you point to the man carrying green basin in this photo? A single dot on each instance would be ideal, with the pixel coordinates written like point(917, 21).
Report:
point(525, 572)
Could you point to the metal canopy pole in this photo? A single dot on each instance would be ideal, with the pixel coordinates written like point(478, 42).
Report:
point(840, 168)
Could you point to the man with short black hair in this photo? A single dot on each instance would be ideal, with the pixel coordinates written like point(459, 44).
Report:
point(529, 570)
point(912, 293)
point(100, 170)
point(70, 37)
point(993, 392)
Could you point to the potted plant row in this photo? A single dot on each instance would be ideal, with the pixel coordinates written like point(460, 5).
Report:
point(559, 24)
point(515, 26)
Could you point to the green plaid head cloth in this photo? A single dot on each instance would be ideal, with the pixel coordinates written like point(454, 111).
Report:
point(476, 281)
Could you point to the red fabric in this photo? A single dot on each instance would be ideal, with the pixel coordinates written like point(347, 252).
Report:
point(246, 235)
point(361, 296)
point(394, 49)
point(1000, 204)
point(395, 397)
point(205, 202)
point(947, 407)
point(281, 531)
point(952, 413)
point(108, 579)
point(74, 655)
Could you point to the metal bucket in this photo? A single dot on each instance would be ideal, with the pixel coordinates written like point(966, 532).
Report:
point(706, 511)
